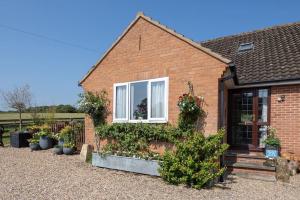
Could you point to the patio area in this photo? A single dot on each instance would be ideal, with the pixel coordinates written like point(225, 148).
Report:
point(42, 175)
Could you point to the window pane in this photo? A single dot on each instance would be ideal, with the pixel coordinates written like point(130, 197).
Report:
point(158, 99)
point(262, 135)
point(138, 100)
point(121, 102)
point(263, 105)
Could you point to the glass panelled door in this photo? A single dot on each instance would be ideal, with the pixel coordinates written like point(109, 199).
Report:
point(248, 118)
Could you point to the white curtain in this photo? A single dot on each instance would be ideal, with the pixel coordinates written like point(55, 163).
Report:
point(263, 94)
point(158, 99)
point(131, 101)
point(121, 102)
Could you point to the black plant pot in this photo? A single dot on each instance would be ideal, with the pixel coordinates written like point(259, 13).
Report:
point(34, 146)
point(19, 139)
point(46, 142)
point(58, 150)
point(68, 151)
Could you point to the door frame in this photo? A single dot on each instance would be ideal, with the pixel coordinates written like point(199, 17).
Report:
point(254, 146)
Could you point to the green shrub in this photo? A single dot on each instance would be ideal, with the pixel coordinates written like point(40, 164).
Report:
point(194, 162)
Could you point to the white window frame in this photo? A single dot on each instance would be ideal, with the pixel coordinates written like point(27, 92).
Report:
point(166, 80)
point(128, 100)
point(114, 99)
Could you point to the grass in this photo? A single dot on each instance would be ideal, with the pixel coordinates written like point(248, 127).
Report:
point(6, 139)
point(13, 117)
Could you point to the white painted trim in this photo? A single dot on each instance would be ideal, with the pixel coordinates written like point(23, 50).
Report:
point(166, 80)
point(267, 84)
point(114, 102)
point(149, 119)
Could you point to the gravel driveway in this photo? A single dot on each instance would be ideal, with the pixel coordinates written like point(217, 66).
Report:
point(42, 175)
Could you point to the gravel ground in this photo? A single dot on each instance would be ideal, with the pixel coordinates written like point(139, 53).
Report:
point(42, 175)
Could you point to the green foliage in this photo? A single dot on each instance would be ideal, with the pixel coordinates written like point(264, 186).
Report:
point(272, 139)
point(69, 145)
point(95, 105)
point(35, 139)
point(67, 135)
point(135, 138)
point(194, 162)
point(65, 109)
point(43, 133)
point(58, 108)
point(190, 107)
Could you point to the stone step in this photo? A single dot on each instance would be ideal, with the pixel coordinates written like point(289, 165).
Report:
point(261, 177)
point(251, 170)
point(245, 158)
point(246, 154)
point(249, 166)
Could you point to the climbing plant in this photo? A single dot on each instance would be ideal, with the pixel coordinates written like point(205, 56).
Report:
point(132, 139)
point(95, 105)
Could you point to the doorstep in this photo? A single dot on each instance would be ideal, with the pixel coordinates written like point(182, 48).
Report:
point(249, 165)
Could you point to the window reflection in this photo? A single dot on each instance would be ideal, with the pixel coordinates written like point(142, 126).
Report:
point(263, 105)
point(138, 103)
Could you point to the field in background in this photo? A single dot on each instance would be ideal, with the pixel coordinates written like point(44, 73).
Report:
point(10, 122)
point(11, 118)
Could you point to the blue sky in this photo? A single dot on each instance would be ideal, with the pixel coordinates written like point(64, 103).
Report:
point(53, 69)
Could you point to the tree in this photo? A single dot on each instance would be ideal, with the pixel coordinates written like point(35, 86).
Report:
point(18, 99)
point(65, 109)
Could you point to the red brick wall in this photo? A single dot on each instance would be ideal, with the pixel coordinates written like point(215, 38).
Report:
point(159, 54)
point(285, 117)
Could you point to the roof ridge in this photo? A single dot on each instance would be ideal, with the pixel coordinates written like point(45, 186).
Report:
point(250, 32)
point(182, 37)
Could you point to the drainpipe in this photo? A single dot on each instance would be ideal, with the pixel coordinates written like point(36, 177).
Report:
point(222, 105)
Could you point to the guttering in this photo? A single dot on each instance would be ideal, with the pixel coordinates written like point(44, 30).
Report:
point(273, 83)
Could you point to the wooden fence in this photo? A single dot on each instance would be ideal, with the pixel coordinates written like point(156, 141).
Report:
point(77, 126)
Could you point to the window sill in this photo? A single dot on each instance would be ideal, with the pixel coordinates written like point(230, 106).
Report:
point(141, 121)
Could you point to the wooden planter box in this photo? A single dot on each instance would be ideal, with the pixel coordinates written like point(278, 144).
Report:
point(129, 164)
point(19, 139)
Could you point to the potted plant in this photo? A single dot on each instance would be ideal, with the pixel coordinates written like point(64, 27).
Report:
point(58, 149)
point(66, 134)
point(46, 141)
point(34, 142)
point(272, 144)
point(69, 148)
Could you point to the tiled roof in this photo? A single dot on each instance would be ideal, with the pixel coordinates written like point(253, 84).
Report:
point(275, 55)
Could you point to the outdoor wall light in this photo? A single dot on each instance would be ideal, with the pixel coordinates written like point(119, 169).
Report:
point(281, 98)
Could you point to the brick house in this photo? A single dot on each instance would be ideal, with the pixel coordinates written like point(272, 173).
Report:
point(249, 81)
